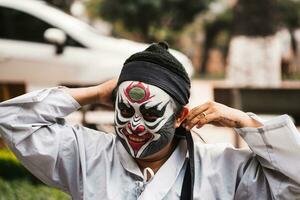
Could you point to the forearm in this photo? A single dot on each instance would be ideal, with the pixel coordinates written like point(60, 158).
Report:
point(96, 94)
point(86, 95)
point(244, 120)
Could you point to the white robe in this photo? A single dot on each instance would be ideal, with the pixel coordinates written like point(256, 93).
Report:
point(89, 164)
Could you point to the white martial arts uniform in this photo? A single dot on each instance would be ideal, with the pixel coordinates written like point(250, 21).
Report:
point(90, 165)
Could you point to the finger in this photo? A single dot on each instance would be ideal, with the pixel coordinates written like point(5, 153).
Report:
point(198, 118)
point(196, 111)
point(208, 119)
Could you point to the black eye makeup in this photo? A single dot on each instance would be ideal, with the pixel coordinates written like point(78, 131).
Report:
point(152, 114)
point(150, 117)
point(126, 111)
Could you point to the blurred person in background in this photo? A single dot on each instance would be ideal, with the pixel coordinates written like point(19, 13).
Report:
point(152, 155)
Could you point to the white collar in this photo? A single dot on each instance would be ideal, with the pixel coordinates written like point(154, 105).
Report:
point(164, 178)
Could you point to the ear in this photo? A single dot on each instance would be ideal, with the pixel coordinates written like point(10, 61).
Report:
point(181, 117)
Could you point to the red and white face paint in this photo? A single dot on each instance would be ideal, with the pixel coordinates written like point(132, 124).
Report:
point(144, 118)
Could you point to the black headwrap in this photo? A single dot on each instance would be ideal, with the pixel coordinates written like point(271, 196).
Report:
point(157, 66)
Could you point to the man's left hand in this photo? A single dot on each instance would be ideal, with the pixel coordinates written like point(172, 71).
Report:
point(219, 115)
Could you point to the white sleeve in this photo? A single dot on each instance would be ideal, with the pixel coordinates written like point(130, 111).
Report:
point(276, 146)
point(33, 127)
point(34, 110)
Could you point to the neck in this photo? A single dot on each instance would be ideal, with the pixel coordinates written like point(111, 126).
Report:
point(158, 159)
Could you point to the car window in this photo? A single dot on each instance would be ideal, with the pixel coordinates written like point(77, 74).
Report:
point(18, 25)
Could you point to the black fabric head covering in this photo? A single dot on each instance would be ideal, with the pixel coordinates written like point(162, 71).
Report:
point(157, 66)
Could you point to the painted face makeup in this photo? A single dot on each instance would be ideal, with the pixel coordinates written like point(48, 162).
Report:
point(144, 118)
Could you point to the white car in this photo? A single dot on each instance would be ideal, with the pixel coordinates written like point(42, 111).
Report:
point(41, 45)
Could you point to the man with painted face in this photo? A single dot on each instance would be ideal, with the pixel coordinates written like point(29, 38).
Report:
point(152, 155)
point(144, 118)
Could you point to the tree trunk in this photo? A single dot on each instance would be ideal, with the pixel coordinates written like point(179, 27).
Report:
point(255, 50)
point(296, 69)
point(254, 61)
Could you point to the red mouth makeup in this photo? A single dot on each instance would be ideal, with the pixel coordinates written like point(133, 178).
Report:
point(136, 141)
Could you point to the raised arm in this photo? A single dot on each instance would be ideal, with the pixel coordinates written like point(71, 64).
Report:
point(96, 94)
point(33, 127)
point(275, 146)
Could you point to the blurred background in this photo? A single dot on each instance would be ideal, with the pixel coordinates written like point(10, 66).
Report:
point(245, 54)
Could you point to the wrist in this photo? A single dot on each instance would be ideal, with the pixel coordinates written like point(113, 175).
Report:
point(104, 94)
point(250, 122)
point(95, 92)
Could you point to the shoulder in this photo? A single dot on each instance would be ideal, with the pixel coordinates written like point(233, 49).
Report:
point(94, 140)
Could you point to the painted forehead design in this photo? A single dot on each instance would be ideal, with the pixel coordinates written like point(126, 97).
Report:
point(138, 92)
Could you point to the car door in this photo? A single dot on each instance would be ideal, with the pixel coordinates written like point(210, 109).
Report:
point(25, 56)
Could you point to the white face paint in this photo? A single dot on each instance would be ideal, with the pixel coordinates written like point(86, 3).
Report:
point(144, 118)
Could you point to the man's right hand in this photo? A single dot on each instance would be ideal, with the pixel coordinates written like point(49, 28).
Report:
point(105, 92)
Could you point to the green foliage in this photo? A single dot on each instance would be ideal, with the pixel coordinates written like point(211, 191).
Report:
point(25, 190)
point(289, 13)
point(256, 17)
point(9, 163)
point(265, 17)
point(61, 4)
point(148, 17)
point(5, 190)
point(6, 154)
point(291, 77)
point(217, 35)
point(250, 18)
point(209, 76)
point(17, 183)
point(218, 31)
